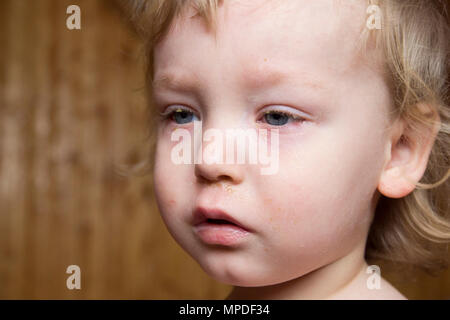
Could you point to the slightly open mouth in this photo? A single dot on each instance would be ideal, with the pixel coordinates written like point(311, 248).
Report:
point(219, 221)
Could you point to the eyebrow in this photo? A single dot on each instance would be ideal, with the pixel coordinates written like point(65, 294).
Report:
point(175, 81)
point(252, 79)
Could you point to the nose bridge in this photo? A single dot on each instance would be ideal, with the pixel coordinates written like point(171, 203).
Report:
point(223, 111)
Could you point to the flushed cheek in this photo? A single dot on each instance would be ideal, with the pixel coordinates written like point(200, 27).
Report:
point(305, 227)
point(172, 201)
point(287, 205)
point(297, 210)
point(170, 181)
point(312, 203)
point(300, 230)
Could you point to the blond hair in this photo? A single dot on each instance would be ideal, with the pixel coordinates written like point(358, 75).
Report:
point(414, 38)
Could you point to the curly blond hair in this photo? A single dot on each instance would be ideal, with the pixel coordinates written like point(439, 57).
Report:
point(414, 38)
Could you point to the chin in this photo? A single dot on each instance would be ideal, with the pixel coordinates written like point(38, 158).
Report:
point(239, 274)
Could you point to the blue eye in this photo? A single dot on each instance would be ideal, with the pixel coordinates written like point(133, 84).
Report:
point(276, 118)
point(180, 115)
point(280, 118)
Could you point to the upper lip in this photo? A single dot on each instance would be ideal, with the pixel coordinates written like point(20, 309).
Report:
point(202, 214)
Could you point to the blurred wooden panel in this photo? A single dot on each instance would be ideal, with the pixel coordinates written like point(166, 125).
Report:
point(72, 106)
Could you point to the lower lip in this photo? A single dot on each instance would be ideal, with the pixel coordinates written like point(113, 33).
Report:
point(223, 234)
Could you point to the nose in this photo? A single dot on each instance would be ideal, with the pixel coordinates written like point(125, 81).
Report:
point(215, 126)
point(217, 170)
point(232, 173)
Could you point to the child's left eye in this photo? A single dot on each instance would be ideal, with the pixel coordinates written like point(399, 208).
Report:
point(280, 118)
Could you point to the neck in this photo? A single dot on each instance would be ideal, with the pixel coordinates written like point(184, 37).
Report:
point(329, 281)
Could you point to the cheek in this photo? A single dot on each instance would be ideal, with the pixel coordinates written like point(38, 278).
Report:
point(168, 178)
point(324, 188)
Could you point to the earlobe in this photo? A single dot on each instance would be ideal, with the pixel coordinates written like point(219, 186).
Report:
point(394, 184)
point(408, 155)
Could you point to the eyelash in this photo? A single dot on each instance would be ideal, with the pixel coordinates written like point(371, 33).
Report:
point(294, 117)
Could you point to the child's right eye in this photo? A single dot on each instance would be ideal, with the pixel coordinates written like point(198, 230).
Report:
point(179, 114)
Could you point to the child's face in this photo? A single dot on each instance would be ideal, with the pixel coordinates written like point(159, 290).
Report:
point(317, 208)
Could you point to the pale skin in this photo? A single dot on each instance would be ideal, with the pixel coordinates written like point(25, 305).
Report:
point(312, 218)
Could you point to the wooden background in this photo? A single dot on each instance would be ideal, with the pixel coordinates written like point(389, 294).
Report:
point(72, 110)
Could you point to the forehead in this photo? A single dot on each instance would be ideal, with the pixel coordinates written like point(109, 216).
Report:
point(254, 35)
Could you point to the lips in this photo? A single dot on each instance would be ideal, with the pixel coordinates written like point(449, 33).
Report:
point(215, 216)
point(216, 227)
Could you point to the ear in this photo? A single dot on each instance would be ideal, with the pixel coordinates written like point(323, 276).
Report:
point(407, 153)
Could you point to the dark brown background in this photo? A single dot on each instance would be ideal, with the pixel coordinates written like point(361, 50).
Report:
point(72, 109)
